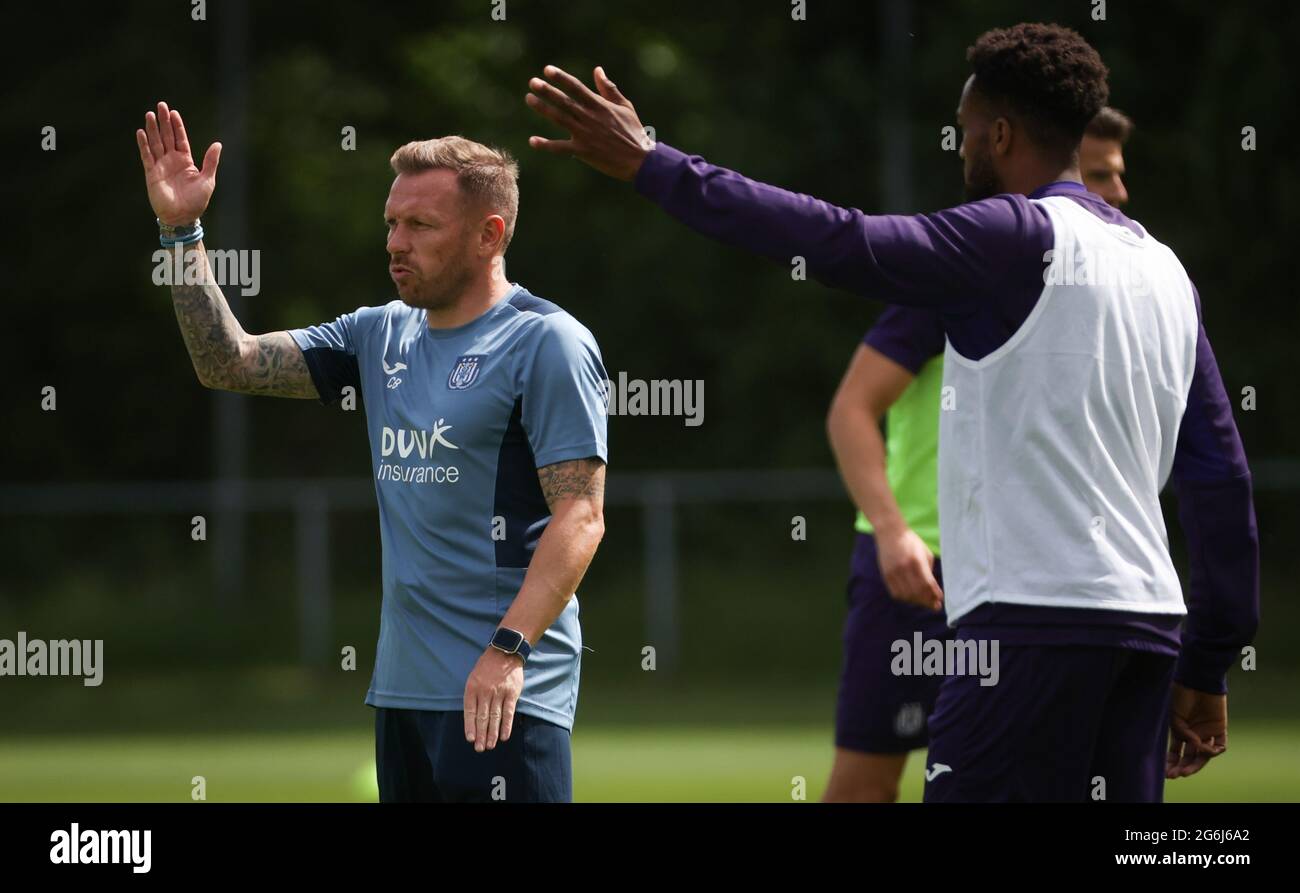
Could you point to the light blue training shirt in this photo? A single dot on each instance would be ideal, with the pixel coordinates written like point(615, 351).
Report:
point(459, 422)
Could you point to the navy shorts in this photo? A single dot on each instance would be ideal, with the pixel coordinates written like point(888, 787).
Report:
point(421, 756)
point(1067, 723)
point(879, 712)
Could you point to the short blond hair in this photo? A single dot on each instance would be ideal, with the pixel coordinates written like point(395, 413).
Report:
point(486, 176)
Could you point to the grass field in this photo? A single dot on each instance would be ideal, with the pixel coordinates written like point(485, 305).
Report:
point(280, 734)
point(617, 763)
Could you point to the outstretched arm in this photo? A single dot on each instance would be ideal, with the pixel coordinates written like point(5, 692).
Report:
point(956, 261)
point(224, 355)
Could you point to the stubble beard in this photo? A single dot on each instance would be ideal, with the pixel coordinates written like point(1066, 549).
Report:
point(446, 291)
point(982, 181)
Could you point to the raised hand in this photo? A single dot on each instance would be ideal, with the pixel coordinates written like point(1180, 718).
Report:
point(178, 191)
point(604, 130)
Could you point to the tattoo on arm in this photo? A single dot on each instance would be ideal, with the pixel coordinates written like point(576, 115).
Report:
point(274, 367)
point(227, 357)
point(577, 479)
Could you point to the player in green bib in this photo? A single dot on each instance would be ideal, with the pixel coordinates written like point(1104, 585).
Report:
point(911, 455)
point(895, 581)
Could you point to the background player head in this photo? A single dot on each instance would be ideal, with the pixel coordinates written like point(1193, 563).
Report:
point(1101, 155)
point(450, 216)
point(1024, 108)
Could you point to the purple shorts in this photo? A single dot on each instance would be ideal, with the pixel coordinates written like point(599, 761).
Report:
point(879, 712)
point(1063, 723)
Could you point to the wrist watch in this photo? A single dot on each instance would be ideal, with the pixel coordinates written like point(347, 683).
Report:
point(511, 641)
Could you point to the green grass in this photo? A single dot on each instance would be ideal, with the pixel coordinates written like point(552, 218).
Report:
point(622, 762)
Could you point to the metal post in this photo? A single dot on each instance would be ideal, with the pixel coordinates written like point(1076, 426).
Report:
point(229, 411)
point(311, 529)
point(895, 122)
point(658, 507)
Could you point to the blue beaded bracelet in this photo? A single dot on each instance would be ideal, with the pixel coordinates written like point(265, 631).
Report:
point(179, 235)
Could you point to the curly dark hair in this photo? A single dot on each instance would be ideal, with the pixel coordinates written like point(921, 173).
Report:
point(1047, 75)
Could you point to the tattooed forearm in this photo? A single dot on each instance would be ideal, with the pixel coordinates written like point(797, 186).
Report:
point(580, 478)
point(227, 357)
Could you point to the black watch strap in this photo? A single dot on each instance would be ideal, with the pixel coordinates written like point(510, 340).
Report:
point(511, 641)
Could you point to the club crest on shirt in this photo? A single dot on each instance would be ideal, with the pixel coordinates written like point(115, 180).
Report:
point(464, 373)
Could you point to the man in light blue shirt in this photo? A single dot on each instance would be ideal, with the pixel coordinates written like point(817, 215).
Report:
point(460, 419)
point(487, 426)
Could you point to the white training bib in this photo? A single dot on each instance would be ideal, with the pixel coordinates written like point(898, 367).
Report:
point(1053, 455)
